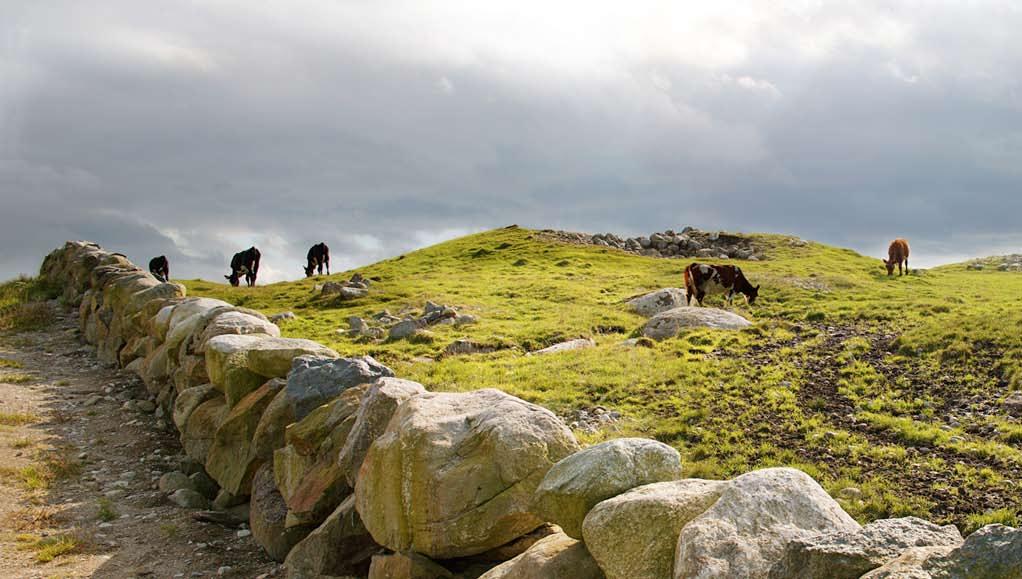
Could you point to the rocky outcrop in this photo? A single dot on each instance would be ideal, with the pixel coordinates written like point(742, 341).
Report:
point(634, 535)
point(576, 484)
point(314, 381)
point(576, 344)
point(748, 529)
point(470, 464)
point(672, 322)
point(688, 243)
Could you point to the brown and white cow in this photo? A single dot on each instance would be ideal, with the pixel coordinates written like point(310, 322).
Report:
point(897, 253)
point(702, 280)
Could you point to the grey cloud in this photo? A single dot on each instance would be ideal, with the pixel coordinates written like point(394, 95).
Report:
point(196, 132)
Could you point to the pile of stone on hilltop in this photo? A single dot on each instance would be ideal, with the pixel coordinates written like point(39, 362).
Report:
point(384, 324)
point(690, 242)
point(1011, 262)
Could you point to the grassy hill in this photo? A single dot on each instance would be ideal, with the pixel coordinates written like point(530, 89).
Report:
point(888, 390)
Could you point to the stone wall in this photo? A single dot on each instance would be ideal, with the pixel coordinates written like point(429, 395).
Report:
point(347, 470)
point(688, 243)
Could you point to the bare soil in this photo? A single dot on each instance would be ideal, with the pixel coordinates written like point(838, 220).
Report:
point(92, 452)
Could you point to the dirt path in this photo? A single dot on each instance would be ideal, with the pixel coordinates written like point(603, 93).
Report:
point(79, 465)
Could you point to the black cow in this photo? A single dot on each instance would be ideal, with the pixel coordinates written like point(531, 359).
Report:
point(247, 263)
point(160, 268)
point(318, 256)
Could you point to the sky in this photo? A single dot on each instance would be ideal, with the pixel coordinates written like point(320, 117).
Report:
point(197, 129)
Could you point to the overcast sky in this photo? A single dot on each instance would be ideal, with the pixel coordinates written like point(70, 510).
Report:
point(196, 129)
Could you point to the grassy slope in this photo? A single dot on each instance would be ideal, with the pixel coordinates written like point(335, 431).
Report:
point(890, 385)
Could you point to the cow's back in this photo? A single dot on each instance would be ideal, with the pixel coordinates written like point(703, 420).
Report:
point(898, 250)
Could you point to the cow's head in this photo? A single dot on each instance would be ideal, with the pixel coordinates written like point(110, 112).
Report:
point(309, 269)
point(233, 278)
point(889, 264)
point(752, 294)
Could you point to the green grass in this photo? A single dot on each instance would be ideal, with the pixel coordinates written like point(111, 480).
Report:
point(16, 378)
point(49, 548)
point(883, 382)
point(23, 306)
point(5, 363)
point(17, 418)
point(105, 510)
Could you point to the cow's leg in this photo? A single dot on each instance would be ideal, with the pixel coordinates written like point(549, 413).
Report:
point(699, 297)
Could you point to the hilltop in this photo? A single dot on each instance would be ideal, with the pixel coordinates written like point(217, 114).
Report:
point(894, 392)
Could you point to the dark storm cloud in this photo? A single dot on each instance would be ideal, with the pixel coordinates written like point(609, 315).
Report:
point(198, 130)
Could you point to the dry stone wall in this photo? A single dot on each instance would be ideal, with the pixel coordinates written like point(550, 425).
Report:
point(345, 470)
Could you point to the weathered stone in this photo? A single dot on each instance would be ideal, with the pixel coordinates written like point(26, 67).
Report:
point(465, 346)
point(578, 344)
point(848, 555)
point(634, 535)
point(470, 465)
point(672, 322)
point(173, 481)
point(269, 433)
point(555, 557)
point(314, 381)
point(374, 412)
point(230, 461)
point(404, 329)
point(992, 552)
point(226, 365)
point(340, 546)
point(188, 400)
point(272, 357)
point(201, 426)
point(189, 499)
point(747, 530)
point(321, 489)
point(267, 515)
point(577, 483)
point(658, 301)
point(406, 566)
point(203, 483)
point(235, 322)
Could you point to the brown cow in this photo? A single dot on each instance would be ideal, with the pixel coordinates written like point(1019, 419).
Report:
point(702, 279)
point(896, 254)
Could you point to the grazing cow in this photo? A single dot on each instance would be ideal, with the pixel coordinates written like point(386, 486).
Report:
point(318, 256)
point(247, 263)
point(160, 268)
point(702, 279)
point(897, 253)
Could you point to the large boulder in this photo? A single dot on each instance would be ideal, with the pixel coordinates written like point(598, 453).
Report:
point(187, 401)
point(235, 322)
point(374, 412)
point(634, 535)
point(267, 515)
point(672, 322)
point(993, 552)
point(747, 531)
point(341, 546)
point(470, 464)
point(269, 433)
point(272, 357)
point(848, 555)
point(555, 557)
point(314, 381)
point(576, 484)
point(658, 301)
point(226, 365)
point(230, 461)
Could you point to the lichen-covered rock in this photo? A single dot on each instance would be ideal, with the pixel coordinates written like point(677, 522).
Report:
point(267, 515)
point(848, 555)
point(272, 357)
point(555, 557)
point(230, 461)
point(269, 433)
point(470, 464)
point(187, 401)
point(672, 322)
point(226, 365)
point(235, 322)
point(406, 566)
point(992, 552)
point(319, 491)
point(341, 546)
point(633, 535)
point(201, 426)
point(577, 483)
point(314, 381)
point(658, 301)
point(748, 529)
point(577, 344)
point(374, 412)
